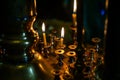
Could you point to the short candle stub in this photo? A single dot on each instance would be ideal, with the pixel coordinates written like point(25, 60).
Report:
point(71, 53)
point(96, 40)
point(72, 47)
point(59, 51)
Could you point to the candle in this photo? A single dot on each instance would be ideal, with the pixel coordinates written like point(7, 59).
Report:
point(44, 35)
point(62, 36)
point(74, 15)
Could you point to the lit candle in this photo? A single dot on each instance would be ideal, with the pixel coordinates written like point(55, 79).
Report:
point(74, 15)
point(62, 36)
point(44, 35)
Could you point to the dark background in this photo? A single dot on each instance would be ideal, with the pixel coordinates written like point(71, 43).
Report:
point(50, 9)
point(93, 14)
point(112, 57)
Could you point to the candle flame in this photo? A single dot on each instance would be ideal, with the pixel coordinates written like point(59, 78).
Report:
point(43, 27)
point(75, 6)
point(62, 32)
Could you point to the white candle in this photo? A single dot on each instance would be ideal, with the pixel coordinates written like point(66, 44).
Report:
point(44, 35)
point(62, 36)
point(75, 6)
point(74, 15)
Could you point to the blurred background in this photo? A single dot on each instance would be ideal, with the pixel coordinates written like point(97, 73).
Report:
point(94, 15)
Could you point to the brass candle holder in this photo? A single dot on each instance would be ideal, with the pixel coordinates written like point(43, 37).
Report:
point(60, 57)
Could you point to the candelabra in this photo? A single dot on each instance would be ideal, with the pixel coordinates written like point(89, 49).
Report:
point(25, 52)
point(72, 61)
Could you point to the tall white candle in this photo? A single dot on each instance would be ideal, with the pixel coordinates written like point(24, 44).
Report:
point(44, 35)
point(74, 15)
point(62, 36)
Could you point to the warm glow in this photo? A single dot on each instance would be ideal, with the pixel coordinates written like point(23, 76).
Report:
point(62, 32)
point(75, 6)
point(44, 35)
point(43, 27)
point(41, 67)
point(106, 4)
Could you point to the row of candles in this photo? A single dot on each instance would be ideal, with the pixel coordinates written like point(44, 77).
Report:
point(74, 17)
point(44, 35)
